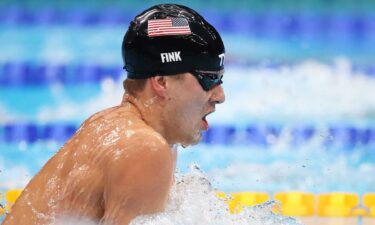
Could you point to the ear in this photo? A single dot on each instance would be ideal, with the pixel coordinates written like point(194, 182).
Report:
point(159, 84)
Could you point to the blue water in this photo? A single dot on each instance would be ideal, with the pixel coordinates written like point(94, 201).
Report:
point(299, 114)
point(100, 45)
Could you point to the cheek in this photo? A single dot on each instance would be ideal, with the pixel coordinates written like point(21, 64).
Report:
point(194, 110)
point(191, 104)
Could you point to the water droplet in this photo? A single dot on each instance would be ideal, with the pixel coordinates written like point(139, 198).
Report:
point(129, 133)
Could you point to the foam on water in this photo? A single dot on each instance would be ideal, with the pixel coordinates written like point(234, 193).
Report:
point(13, 176)
point(5, 115)
point(308, 90)
point(110, 95)
point(310, 169)
point(192, 201)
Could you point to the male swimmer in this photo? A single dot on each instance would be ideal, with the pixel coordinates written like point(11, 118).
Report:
point(121, 162)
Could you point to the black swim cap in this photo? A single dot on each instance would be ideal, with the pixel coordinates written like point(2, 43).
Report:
point(169, 39)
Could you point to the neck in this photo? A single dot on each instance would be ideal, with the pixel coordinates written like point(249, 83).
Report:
point(149, 111)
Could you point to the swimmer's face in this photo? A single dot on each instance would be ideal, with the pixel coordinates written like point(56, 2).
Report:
point(188, 106)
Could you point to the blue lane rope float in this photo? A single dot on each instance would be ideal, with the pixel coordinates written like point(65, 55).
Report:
point(346, 137)
point(31, 133)
point(54, 16)
point(276, 23)
point(26, 73)
point(18, 74)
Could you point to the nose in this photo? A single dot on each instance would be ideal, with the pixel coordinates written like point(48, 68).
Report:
point(217, 94)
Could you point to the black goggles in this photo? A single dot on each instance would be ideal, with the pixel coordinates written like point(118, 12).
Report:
point(208, 79)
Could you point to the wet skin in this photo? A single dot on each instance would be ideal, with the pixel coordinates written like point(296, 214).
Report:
point(120, 163)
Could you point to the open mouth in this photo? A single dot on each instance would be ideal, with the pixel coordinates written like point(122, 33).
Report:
point(205, 122)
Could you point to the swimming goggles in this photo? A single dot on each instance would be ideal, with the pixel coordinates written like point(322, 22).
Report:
point(208, 79)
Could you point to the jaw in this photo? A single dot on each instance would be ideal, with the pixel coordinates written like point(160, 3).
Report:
point(194, 140)
point(185, 121)
point(186, 134)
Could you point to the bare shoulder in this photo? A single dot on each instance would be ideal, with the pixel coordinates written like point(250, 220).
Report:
point(139, 176)
point(102, 114)
point(98, 122)
point(124, 138)
point(145, 136)
point(146, 143)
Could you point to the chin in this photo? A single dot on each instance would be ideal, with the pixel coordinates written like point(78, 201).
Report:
point(196, 138)
point(191, 138)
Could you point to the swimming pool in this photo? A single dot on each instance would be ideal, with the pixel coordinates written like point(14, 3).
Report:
point(287, 119)
point(299, 114)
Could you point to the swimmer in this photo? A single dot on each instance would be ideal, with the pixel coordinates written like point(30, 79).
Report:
point(121, 162)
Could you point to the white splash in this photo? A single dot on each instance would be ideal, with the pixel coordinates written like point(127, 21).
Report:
point(110, 95)
point(13, 176)
point(71, 220)
point(6, 115)
point(306, 90)
point(193, 201)
point(310, 169)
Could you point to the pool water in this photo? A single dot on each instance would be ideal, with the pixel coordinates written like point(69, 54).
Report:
point(299, 112)
point(297, 119)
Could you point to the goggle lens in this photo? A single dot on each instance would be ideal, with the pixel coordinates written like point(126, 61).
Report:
point(208, 80)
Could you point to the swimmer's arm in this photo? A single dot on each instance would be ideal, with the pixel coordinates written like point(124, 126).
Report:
point(139, 182)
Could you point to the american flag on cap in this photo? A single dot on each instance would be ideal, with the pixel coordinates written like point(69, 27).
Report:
point(168, 26)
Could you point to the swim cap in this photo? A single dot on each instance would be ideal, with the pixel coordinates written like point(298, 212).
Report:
point(169, 39)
